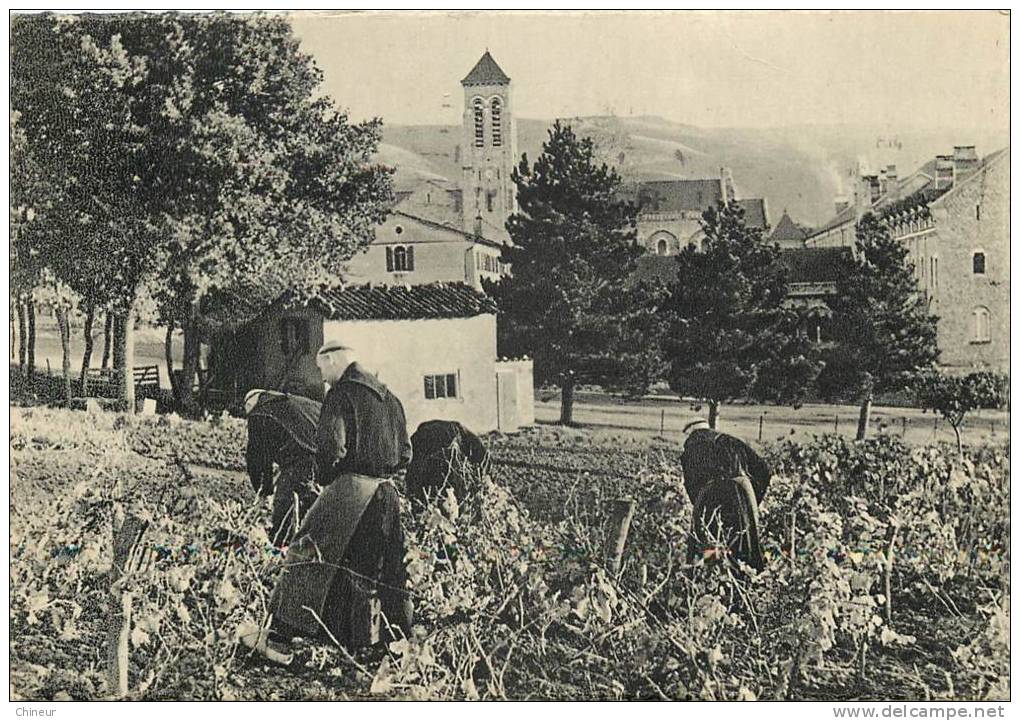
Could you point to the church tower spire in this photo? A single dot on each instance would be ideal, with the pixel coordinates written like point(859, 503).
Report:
point(489, 149)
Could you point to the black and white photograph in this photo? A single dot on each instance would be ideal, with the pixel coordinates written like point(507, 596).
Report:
point(562, 355)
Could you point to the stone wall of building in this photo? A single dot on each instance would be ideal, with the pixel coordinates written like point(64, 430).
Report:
point(974, 217)
point(441, 255)
point(677, 230)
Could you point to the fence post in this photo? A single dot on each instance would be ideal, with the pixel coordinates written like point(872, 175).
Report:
point(836, 431)
point(118, 629)
point(662, 422)
point(761, 426)
point(904, 434)
point(619, 527)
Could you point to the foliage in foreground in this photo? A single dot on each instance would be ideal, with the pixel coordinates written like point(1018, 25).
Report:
point(511, 606)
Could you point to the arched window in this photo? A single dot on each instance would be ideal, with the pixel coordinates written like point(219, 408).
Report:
point(663, 247)
point(497, 120)
point(979, 262)
point(479, 108)
point(982, 325)
point(400, 259)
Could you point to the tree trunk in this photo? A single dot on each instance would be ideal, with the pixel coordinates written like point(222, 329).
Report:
point(22, 339)
point(713, 414)
point(124, 356)
point(865, 417)
point(168, 353)
point(959, 439)
point(86, 359)
point(31, 337)
point(189, 372)
point(567, 400)
point(65, 347)
point(107, 340)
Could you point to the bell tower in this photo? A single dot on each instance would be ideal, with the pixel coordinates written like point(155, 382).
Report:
point(489, 150)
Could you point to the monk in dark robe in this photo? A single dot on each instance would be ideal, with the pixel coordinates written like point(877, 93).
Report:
point(344, 577)
point(725, 481)
point(281, 432)
point(444, 452)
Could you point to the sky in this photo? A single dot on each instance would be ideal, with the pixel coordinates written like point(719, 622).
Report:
point(708, 69)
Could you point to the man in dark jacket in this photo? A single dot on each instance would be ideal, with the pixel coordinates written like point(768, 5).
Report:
point(445, 452)
point(725, 481)
point(347, 562)
point(281, 431)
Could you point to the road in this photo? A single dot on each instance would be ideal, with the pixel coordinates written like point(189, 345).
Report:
point(610, 417)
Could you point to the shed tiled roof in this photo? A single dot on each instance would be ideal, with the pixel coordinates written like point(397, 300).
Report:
point(416, 302)
point(813, 265)
point(806, 265)
point(486, 72)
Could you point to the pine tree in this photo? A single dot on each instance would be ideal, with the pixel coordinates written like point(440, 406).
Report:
point(884, 333)
point(732, 334)
point(573, 248)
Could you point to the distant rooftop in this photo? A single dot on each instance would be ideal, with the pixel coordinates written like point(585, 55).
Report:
point(486, 72)
point(689, 195)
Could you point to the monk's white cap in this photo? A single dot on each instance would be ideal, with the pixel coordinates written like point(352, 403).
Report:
point(332, 346)
point(251, 398)
point(693, 424)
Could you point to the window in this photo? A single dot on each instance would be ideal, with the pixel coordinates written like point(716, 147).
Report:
point(977, 212)
point(489, 197)
point(497, 130)
point(663, 247)
point(399, 258)
point(479, 108)
point(443, 385)
point(979, 262)
point(982, 323)
point(293, 336)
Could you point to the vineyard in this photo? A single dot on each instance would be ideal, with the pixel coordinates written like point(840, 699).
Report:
point(888, 575)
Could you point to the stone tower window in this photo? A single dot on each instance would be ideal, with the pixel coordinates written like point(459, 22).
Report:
point(479, 108)
point(979, 262)
point(663, 247)
point(982, 330)
point(497, 127)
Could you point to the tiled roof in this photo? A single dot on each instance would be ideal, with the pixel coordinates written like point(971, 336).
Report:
point(688, 195)
point(755, 215)
point(813, 265)
point(416, 302)
point(786, 229)
point(672, 196)
point(486, 72)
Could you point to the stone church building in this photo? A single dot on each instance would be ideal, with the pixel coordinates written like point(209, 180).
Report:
point(412, 304)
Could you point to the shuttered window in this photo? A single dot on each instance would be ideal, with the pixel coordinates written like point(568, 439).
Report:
point(442, 385)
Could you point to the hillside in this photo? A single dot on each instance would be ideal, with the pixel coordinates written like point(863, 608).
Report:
point(801, 168)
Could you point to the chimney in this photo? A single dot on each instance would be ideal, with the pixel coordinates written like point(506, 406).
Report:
point(842, 203)
point(965, 159)
point(944, 171)
point(892, 186)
